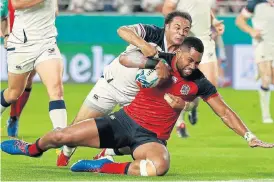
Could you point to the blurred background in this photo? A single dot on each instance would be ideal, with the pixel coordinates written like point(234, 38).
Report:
point(88, 39)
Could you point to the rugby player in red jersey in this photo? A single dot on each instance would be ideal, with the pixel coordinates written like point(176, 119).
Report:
point(144, 125)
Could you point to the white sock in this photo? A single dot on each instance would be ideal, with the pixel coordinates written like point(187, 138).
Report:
point(265, 102)
point(110, 152)
point(58, 118)
point(68, 151)
point(180, 119)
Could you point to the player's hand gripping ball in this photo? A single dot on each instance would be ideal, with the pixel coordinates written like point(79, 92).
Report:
point(147, 78)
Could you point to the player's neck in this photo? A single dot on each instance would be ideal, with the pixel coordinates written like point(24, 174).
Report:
point(172, 48)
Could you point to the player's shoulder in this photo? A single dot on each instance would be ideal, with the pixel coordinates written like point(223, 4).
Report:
point(152, 28)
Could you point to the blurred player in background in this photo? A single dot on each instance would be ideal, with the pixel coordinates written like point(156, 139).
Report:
point(203, 18)
point(144, 130)
point(4, 20)
point(262, 14)
point(118, 85)
point(17, 107)
point(32, 46)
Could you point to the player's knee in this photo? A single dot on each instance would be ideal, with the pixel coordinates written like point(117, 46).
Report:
point(13, 94)
point(162, 166)
point(61, 137)
point(153, 168)
point(266, 80)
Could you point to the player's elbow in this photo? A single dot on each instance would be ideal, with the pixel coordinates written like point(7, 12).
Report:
point(121, 30)
point(124, 60)
point(239, 20)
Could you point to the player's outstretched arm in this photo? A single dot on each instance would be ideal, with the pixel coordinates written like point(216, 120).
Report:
point(135, 59)
point(217, 24)
point(241, 22)
point(129, 34)
point(22, 4)
point(232, 120)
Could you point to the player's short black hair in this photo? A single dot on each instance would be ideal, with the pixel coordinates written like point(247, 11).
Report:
point(194, 42)
point(174, 14)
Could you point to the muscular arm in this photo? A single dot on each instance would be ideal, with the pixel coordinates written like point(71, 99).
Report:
point(241, 22)
point(130, 35)
point(169, 6)
point(135, 59)
point(229, 117)
point(22, 4)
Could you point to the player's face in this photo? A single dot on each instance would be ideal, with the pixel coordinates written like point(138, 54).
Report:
point(188, 61)
point(271, 2)
point(177, 30)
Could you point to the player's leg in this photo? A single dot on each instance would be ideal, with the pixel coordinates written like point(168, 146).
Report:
point(151, 159)
point(150, 153)
point(16, 86)
point(181, 126)
point(84, 133)
point(17, 107)
point(265, 71)
point(210, 70)
point(50, 59)
point(99, 102)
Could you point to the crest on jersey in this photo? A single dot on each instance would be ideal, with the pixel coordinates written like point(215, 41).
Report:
point(185, 89)
point(51, 50)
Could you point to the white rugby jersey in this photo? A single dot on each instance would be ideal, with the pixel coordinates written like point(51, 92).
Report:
point(199, 11)
point(123, 78)
point(35, 23)
point(262, 14)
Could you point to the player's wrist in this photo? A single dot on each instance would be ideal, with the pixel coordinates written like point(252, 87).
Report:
point(248, 136)
point(215, 21)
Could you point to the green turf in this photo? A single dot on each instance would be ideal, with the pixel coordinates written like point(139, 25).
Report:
point(213, 152)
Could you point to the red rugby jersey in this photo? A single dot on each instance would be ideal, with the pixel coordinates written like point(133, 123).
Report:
point(150, 110)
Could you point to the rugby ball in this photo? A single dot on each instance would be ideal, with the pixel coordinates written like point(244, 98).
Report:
point(147, 78)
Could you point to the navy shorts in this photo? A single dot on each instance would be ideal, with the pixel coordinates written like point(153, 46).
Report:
point(118, 130)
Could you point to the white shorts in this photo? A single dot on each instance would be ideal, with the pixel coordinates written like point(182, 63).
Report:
point(263, 52)
point(24, 57)
point(209, 51)
point(104, 97)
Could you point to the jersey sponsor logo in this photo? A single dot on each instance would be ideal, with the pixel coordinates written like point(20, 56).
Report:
point(18, 67)
point(185, 89)
point(95, 96)
point(174, 79)
point(210, 54)
point(112, 117)
point(51, 51)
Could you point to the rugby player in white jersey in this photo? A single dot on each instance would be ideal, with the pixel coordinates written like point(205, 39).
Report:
point(32, 46)
point(262, 31)
point(17, 107)
point(117, 85)
point(203, 18)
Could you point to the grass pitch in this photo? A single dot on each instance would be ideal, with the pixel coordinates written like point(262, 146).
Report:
point(212, 152)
